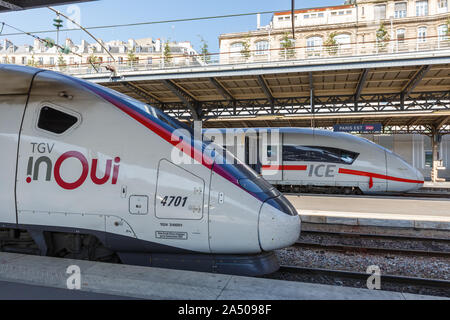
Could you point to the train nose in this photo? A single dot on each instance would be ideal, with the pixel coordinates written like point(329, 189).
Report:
point(404, 177)
point(279, 224)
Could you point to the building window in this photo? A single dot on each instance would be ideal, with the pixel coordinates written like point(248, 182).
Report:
point(120, 60)
point(343, 41)
point(400, 10)
point(443, 33)
point(236, 49)
point(422, 34)
point(24, 60)
point(314, 44)
point(401, 35)
point(149, 60)
point(421, 8)
point(428, 158)
point(262, 47)
point(380, 12)
point(362, 11)
point(306, 16)
point(442, 6)
point(40, 61)
point(320, 15)
point(52, 61)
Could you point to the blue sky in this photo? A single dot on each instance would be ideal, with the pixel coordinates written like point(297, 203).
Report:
point(108, 12)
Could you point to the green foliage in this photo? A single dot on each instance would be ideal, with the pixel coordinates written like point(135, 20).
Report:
point(331, 44)
point(206, 58)
point(287, 45)
point(245, 52)
point(49, 42)
point(94, 61)
point(167, 53)
point(448, 30)
point(131, 57)
point(32, 62)
point(62, 64)
point(382, 37)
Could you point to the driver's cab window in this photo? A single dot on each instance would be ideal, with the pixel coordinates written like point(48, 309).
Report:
point(55, 121)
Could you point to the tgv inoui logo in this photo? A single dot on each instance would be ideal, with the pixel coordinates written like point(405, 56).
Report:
point(44, 161)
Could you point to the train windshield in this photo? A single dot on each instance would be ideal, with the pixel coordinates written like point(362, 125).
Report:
point(318, 154)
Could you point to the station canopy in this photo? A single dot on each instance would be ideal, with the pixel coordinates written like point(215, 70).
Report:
point(16, 5)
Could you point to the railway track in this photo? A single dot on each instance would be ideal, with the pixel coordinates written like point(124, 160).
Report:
point(374, 236)
point(379, 249)
point(360, 276)
point(428, 195)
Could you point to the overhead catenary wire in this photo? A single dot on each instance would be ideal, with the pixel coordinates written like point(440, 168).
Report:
point(162, 21)
point(84, 29)
point(43, 40)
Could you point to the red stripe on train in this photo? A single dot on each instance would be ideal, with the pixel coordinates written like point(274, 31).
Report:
point(376, 175)
point(285, 167)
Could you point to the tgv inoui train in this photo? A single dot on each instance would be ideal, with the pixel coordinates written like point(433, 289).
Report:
point(300, 159)
point(86, 172)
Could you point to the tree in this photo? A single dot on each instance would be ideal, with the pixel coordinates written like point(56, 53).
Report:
point(382, 37)
point(331, 44)
point(287, 44)
point(94, 61)
point(245, 52)
point(447, 38)
point(206, 58)
point(131, 57)
point(62, 64)
point(167, 53)
point(32, 62)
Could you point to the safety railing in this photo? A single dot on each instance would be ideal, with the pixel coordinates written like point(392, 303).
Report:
point(287, 53)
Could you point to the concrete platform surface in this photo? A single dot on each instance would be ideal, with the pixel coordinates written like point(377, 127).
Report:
point(374, 211)
point(436, 185)
point(155, 283)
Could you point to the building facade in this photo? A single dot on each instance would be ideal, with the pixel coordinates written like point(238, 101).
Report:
point(148, 52)
point(359, 28)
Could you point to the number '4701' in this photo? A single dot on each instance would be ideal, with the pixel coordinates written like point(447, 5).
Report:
point(174, 201)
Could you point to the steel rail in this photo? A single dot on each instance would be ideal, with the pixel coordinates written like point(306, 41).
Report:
point(415, 281)
point(374, 236)
point(367, 249)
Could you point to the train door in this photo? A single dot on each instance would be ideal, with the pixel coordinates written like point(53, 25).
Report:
point(11, 112)
point(270, 146)
point(251, 147)
point(181, 205)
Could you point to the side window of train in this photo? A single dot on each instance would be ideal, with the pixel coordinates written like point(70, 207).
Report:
point(318, 154)
point(271, 152)
point(56, 120)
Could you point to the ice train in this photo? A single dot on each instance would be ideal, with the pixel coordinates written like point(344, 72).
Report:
point(302, 159)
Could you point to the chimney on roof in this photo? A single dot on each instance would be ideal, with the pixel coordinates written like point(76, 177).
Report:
point(69, 43)
point(258, 21)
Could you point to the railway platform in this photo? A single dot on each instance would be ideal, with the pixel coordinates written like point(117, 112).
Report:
point(154, 283)
point(436, 187)
point(377, 211)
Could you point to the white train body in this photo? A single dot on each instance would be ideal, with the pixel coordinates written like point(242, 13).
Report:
point(81, 159)
point(293, 157)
